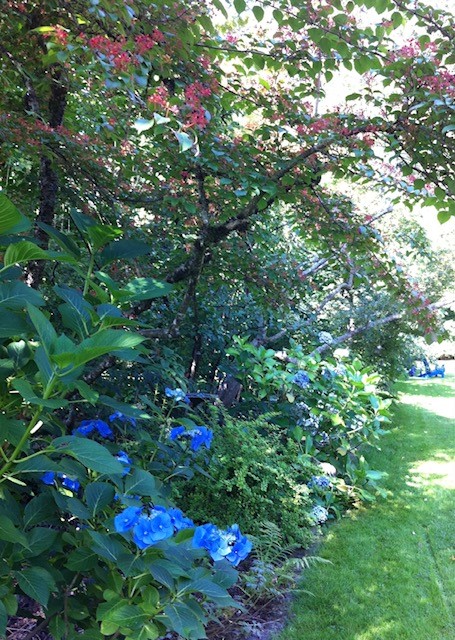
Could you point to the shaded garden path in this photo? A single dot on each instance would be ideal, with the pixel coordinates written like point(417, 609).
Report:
point(393, 571)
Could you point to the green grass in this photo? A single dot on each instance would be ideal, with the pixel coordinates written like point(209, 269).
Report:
point(393, 571)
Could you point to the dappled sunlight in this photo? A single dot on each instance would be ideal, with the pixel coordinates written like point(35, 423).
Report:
point(443, 407)
point(376, 631)
point(426, 473)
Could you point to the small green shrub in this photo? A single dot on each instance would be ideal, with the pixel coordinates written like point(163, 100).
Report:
point(256, 476)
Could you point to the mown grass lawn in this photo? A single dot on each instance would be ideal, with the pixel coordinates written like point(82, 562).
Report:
point(393, 571)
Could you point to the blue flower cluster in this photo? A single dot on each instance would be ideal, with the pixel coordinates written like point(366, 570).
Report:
point(319, 514)
point(67, 482)
point(176, 394)
point(301, 379)
point(319, 482)
point(229, 544)
point(149, 528)
point(87, 427)
point(125, 460)
point(199, 436)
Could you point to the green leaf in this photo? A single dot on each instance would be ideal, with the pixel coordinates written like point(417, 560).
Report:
point(105, 546)
point(37, 583)
point(101, 234)
point(444, 216)
point(11, 219)
point(98, 495)
point(126, 615)
point(184, 621)
point(40, 539)
point(46, 331)
point(258, 12)
point(240, 5)
point(90, 453)
point(374, 402)
point(64, 241)
point(16, 295)
point(82, 559)
point(23, 251)
point(184, 140)
point(124, 250)
point(87, 392)
point(40, 464)
point(141, 124)
point(141, 483)
point(10, 533)
point(105, 341)
point(147, 288)
point(38, 510)
point(12, 324)
point(26, 391)
point(124, 408)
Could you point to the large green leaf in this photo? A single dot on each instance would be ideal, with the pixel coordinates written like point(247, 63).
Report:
point(141, 483)
point(105, 546)
point(16, 295)
point(10, 533)
point(184, 622)
point(36, 582)
point(123, 250)
point(101, 234)
point(46, 331)
point(12, 324)
point(147, 288)
point(64, 241)
point(26, 391)
point(90, 453)
point(124, 614)
point(105, 341)
point(40, 539)
point(82, 559)
point(38, 510)
point(23, 251)
point(98, 495)
point(11, 219)
point(126, 409)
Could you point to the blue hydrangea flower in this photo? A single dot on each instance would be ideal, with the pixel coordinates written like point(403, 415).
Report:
point(69, 483)
point(86, 427)
point(176, 432)
point(150, 529)
point(176, 394)
point(320, 482)
point(301, 379)
point(125, 460)
point(241, 547)
point(229, 544)
point(200, 437)
point(127, 519)
point(319, 514)
point(118, 415)
point(48, 477)
point(179, 521)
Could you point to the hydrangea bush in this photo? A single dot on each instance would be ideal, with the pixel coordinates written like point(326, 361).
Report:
point(87, 528)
